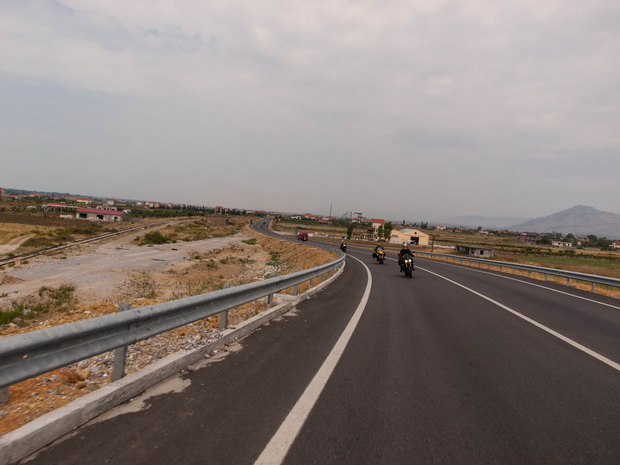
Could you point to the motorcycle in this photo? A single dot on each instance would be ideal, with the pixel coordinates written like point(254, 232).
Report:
point(343, 247)
point(406, 265)
point(379, 255)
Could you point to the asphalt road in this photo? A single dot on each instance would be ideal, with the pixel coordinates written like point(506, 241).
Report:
point(454, 366)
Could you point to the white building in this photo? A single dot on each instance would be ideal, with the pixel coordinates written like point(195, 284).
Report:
point(411, 236)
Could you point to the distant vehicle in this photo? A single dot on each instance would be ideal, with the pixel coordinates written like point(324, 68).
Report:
point(302, 236)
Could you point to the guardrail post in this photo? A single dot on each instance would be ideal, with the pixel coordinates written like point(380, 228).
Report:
point(296, 289)
point(120, 354)
point(4, 395)
point(269, 301)
point(223, 320)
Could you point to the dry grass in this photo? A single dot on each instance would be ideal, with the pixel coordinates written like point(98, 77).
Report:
point(11, 231)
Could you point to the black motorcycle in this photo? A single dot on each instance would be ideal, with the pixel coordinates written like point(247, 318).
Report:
point(343, 247)
point(379, 255)
point(406, 265)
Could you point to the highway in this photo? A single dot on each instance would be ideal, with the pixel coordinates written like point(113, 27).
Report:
point(454, 366)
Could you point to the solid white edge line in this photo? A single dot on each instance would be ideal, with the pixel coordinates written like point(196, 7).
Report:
point(280, 443)
point(590, 352)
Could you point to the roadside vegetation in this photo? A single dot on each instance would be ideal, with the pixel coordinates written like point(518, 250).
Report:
point(47, 300)
point(190, 231)
point(40, 236)
point(41, 240)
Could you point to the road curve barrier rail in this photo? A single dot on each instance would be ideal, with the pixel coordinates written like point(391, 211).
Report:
point(568, 275)
point(24, 356)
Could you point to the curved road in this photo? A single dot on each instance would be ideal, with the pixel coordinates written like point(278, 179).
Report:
point(454, 366)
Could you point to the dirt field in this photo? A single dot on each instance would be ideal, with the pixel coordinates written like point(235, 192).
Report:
point(119, 271)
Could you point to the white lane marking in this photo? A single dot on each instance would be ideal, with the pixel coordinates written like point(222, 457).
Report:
point(587, 299)
point(280, 443)
point(596, 355)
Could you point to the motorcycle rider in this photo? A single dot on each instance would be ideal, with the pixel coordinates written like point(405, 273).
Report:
point(401, 254)
point(378, 248)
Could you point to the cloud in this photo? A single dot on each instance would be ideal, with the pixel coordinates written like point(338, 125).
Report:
point(298, 96)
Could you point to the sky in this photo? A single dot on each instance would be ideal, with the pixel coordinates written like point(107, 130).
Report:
point(398, 109)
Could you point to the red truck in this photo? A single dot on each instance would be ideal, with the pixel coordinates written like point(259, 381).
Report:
point(302, 235)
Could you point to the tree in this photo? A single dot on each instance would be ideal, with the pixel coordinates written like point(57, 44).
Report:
point(387, 230)
point(380, 231)
point(570, 237)
point(544, 240)
point(350, 230)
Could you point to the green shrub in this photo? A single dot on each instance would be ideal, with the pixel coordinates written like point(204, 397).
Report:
point(275, 259)
point(153, 237)
point(47, 300)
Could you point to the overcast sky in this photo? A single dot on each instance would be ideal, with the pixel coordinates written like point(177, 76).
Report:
point(399, 109)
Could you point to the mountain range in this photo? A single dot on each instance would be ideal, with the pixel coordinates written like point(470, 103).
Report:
point(580, 220)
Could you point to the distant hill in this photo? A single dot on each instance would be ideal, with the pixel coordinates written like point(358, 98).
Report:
point(579, 220)
point(485, 222)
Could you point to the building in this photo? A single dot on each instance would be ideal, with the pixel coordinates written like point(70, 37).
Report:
point(372, 233)
point(96, 214)
point(411, 236)
point(615, 245)
point(83, 200)
point(474, 251)
point(60, 207)
point(561, 244)
point(527, 238)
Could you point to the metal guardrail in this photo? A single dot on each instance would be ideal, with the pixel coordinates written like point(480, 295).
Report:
point(590, 278)
point(24, 356)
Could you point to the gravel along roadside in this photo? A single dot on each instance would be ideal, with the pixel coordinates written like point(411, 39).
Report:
point(101, 276)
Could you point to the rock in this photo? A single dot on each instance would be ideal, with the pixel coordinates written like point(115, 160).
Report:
point(83, 375)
